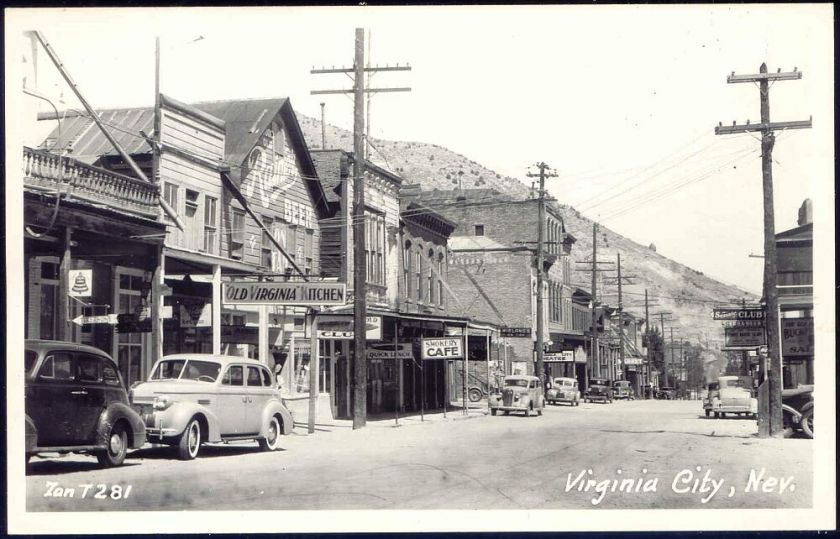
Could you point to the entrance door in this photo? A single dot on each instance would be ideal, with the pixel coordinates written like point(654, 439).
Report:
point(375, 383)
point(129, 347)
point(342, 386)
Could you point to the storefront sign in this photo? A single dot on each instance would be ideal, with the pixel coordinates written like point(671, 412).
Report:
point(342, 328)
point(753, 337)
point(294, 293)
point(738, 313)
point(743, 323)
point(81, 283)
point(797, 336)
point(565, 356)
point(443, 348)
point(195, 314)
point(385, 351)
point(101, 319)
point(633, 360)
point(524, 333)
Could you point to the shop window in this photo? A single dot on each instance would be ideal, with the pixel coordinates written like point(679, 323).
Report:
point(237, 233)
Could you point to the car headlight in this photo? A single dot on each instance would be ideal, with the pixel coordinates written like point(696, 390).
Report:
point(161, 403)
point(516, 397)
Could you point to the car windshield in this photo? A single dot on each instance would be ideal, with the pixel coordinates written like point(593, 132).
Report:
point(29, 359)
point(561, 382)
point(597, 382)
point(745, 383)
point(516, 383)
point(186, 369)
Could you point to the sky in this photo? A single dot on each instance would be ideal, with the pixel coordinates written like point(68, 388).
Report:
point(621, 101)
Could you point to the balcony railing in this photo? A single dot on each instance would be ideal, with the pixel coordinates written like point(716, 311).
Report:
point(90, 184)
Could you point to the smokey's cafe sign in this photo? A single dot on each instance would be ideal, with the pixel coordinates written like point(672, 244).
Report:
point(296, 293)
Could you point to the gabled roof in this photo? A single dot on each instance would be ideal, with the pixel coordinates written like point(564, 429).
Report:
point(244, 120)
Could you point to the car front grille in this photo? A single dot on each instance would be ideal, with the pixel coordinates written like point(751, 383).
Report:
point(507, 398)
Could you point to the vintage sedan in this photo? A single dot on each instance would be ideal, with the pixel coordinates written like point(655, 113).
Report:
point(622, 390)
point(599, 390)
point(191, 399)
point(563, 390)
point(75, 401)
point(519, 394)
point(736, 395)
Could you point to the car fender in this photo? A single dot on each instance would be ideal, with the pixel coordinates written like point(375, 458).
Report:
point(807, 406)
point(753, 406)
point(178, 415)
point(716, 403)
point(794, 413)
point(117, 411)
point(31, 434)
point(273, 408)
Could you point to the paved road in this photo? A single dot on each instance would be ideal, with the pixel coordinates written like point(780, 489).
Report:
point(666, 454)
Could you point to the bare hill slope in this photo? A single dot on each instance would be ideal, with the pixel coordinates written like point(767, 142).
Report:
point(683, 291)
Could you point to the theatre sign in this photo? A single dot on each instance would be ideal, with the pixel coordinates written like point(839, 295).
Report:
point(294, 293)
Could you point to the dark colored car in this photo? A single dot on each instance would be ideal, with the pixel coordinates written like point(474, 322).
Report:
point(76, 402)
point(666, 393)
point(599, 390)
point(798, 410)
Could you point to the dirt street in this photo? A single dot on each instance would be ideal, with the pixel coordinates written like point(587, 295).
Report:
point(637, 454)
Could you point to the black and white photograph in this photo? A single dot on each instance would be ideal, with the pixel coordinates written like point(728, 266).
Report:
point(420, 268)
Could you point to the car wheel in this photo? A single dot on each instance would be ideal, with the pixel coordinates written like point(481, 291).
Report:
point(708, 413)
point(507, 412)
point(807, 423)
point(717, 415)
point(272, 437)
point(723, 415)
point(475, 395)
point(117, 449)
point(539, 411)
point(190, 441)
point(493, 411)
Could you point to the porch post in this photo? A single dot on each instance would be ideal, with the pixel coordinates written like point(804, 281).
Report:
point(217, 309)
point(262, 334)
point(157, 304)
point(65, 332)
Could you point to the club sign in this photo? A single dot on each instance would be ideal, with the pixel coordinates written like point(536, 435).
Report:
point(270, 293)
point(736, 313)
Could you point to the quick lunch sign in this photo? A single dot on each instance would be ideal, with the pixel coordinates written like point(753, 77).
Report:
point(299, 293)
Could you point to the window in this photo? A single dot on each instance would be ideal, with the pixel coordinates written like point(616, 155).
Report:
point(170, 195)
point(87, 368)
point(291, 242)
point(418, 281)
point(237, 233)
point(254, 378)
point(308, 240)
point(479, 230)
point(57, 367)
point(210, 227)
point(431, 278)
point(109, 374)
point(440, 279)
point(267, 245)
point(266, 378)
point(375, 248)
point(233, 376)
point(407, 268)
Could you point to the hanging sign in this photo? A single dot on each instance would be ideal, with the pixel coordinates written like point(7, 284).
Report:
point(753, 337)
point(524, 333)
point(288, 293)
point(81, 282)
point(564, 356)
point(342, 328)
point(195, 314)
point(443, 348)
point(386, 351)
point(797, 336)
point(738, 313)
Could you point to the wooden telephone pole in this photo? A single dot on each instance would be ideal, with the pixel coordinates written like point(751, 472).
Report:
point(595, 361)
point(772, 425)
point(359, 364)
point(540, 367)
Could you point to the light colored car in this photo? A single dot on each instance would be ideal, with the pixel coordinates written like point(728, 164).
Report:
point(735, 396)
point(519, 394)
point(563, 390)
point(191, 399)
point(622, 390)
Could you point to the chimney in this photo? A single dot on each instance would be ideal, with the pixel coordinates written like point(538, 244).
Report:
point(806, 213)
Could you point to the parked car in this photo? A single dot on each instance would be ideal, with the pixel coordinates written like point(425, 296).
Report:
point(736, 395)
point(563, 390)
point(710, 394)
point(666, 393)
point(622, 390)
point(798, 409)
point(519, 394)
point(191, 399)
point(599, 390)
point(75, 401)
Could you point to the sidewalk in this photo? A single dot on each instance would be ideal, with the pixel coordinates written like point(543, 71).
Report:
point(387, 420)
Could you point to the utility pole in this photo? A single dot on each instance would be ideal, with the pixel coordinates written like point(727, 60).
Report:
point(772, 425)
point(595, 360)
point(359, 363)
point(540, 239)
point(647, 333)
point(323, 128)
point(661, 316)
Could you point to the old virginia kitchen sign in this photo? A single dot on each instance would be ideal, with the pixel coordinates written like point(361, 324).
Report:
point(295, 293)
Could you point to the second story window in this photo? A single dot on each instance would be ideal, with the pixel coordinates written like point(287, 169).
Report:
point(418, 272)
point(237, 233)
point(440, 279)
point(309, 240)
point(170, 195)
point(210, 226)
point(375, 248)
point(479, 230)
point(407, 269)
point(266, 245)
point(431, 284)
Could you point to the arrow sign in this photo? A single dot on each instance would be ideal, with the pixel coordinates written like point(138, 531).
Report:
point(101, 319)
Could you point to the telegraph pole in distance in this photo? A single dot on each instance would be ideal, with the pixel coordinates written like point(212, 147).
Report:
point(359, 360)
point(540, 239)
point(647, 333)
point(593, 306)
point(661, 316)
point(768, 138)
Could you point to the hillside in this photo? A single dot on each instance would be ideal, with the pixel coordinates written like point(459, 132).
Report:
point(686, 293)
